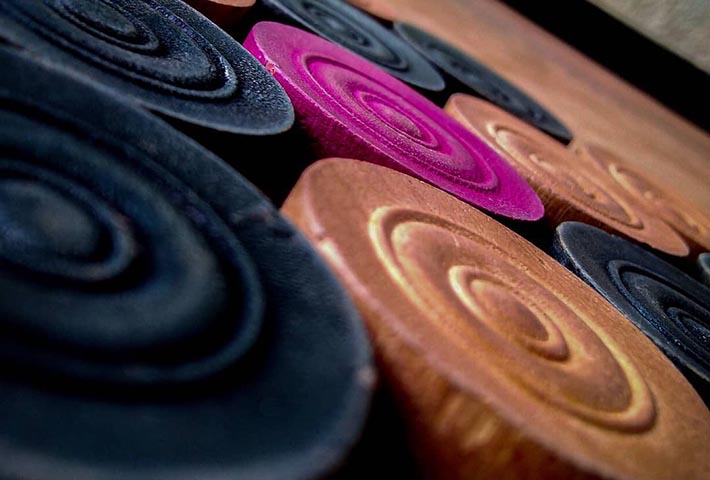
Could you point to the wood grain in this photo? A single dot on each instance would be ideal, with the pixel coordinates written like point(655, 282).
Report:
point(571, 187)
point(505, 364)
point(596, 105)
point(683, 216)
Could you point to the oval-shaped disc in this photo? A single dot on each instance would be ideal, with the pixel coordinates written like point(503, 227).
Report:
point(349, 107)
point(670, 307)
point(685, 218)
point(348, 27)
point(571, 188)
point(161, 53)
point(158, 317)
point(490, 345)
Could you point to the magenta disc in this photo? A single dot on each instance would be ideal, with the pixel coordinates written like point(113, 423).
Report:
point(351, 108)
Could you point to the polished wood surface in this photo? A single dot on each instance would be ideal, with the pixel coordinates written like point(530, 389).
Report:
point(572, 187)
point(690, 222)
point(596, 105)
point(503, 362)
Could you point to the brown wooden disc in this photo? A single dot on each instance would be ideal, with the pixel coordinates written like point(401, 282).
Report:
point(686, 219)
point(379, 8)
point(570, 188)
point(504, 363)
point(224, 13)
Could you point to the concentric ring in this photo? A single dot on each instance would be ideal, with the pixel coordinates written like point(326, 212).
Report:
point(570, 188)
point(684, 218)
point(154, 303)
point(489, 344)
point(161, 53)
point(356, 31)
point(481, 301)
point(349, 107)
point(671, 308)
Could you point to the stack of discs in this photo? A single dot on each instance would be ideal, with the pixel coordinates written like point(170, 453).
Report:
point(504, 363)
point(570, 188)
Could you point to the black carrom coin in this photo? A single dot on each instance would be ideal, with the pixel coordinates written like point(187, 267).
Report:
point(670, 307)
point(158, 317)
point(162, 53)
point(358, 32)
point(470, 76)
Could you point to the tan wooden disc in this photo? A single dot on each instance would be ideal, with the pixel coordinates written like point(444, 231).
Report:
point(504, 363)
point(378, 8)
point(224, 13)
point(686, 219)
point(567, 186)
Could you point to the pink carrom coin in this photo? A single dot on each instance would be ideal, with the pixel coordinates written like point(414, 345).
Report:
point(351, 108)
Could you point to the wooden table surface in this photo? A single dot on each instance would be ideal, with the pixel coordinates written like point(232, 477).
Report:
point(595, 104)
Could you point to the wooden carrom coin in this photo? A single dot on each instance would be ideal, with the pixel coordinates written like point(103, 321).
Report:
point(684, 217)
point(570, 188)
point(505, 364)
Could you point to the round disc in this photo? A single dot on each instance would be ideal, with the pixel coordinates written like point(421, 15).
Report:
point(159, 318)
point(670, 307)
point(686, 219)
point(570, 187)
point(161, 53)
point(349, 107)
point(483, 81)
point(358, 32)
point(503, 362)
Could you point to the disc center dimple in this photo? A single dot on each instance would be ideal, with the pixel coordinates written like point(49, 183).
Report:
point(502, 305)
point(102, 17)
point(391, 115)
point(38, 218)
